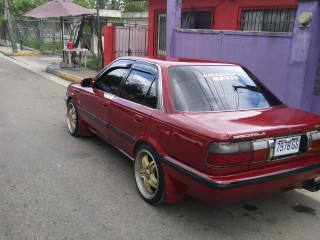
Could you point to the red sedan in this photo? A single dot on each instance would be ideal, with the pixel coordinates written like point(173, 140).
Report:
point(209, 130)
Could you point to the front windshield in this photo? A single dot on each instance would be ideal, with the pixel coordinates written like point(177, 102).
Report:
point(217, 88)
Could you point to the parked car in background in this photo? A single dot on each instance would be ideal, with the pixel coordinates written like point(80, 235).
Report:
point(209, 130)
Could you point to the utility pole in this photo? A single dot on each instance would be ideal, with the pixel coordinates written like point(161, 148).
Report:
point(99, 35)
point(10, 27)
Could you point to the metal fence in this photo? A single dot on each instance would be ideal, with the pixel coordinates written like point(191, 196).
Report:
point(39, 34)
point(131, 41)
point(44, 34)
point(270, 19)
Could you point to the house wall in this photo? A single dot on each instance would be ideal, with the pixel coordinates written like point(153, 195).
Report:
point(225, 13)
point(315, 48)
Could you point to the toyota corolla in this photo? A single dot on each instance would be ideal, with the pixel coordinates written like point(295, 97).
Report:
point(209, 130)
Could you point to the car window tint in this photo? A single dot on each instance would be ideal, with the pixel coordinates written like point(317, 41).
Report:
point(110, 81)
point(137, 86)
point(151, 98)
point(215, 88)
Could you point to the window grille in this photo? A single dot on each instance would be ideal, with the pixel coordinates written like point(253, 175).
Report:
point(280, 19)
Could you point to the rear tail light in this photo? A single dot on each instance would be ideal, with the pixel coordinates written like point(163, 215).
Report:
point(233, 154)
point(244, 153)
point(229, 159)
point(315, 136)
point(315, 141)
point(229, 148)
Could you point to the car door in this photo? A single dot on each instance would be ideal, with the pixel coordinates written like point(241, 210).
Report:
point(96, 100)
point(129, 113)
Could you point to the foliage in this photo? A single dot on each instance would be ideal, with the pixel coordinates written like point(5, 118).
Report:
point(131, 6)
point(92, 62)
point(1, 11)
point(85, 3)
point(19, 7)
point(128, 5)
point(35, 44)
point(31, 43)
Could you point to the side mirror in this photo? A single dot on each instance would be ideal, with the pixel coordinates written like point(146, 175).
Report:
point(86, 82)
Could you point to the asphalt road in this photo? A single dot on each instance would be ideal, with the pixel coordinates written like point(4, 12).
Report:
point(55, 186)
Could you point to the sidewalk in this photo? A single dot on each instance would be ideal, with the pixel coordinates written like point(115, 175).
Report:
point(26, 52)
point(49, 64)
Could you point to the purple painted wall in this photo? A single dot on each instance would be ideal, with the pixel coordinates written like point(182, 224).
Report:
point(285, 62)
point(304, 61)
point(265, 55)
point(315, 54)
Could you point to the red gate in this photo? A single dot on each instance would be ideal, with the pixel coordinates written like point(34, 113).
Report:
point(124, 41)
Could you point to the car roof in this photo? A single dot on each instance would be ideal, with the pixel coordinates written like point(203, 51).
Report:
point(178, 61)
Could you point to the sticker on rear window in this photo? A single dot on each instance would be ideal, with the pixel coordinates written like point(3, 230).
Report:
point(221, 76)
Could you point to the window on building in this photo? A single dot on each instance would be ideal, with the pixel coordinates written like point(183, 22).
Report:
point(196, 19)
point(190, 19)
point(268, 20)
point(162, 34)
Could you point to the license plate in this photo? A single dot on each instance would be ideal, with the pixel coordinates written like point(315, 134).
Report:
point(285, 146)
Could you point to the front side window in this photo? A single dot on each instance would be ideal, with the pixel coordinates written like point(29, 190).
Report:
point(140, 88)
point(217, 88)
point(110, 81)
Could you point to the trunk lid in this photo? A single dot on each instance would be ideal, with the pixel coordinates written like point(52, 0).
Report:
point(257, 124)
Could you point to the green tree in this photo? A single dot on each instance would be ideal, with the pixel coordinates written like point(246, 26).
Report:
point(19, 7)
point(85, 3)
point(135, 6)
point(102, 4)
point(1, 11)
point(128, 5)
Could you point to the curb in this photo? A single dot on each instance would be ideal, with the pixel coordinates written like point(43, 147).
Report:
point(65, 76)
point(21, 54)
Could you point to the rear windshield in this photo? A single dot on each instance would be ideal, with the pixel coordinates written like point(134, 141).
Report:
point(218, 88)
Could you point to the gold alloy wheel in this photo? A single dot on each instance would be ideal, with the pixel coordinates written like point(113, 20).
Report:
point(72, 118)
point(146, 174)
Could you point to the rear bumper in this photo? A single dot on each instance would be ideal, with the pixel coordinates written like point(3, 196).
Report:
point(214, 189)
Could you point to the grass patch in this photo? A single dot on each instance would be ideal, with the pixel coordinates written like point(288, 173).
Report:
point(32, 44)
point(92, 62)
point(48, 47)
point(53, 47)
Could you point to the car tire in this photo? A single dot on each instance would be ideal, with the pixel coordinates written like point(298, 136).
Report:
point(73, 118)
point(149, 175)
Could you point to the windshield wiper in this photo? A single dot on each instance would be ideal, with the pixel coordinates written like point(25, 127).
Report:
point(249, 87)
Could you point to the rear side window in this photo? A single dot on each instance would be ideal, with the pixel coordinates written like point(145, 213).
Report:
point(217, 88)
point(140, 87)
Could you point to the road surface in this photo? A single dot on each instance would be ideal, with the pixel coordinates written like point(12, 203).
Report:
point(55, 186)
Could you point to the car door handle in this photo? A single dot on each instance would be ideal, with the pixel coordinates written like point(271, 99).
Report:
point(138, 118)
